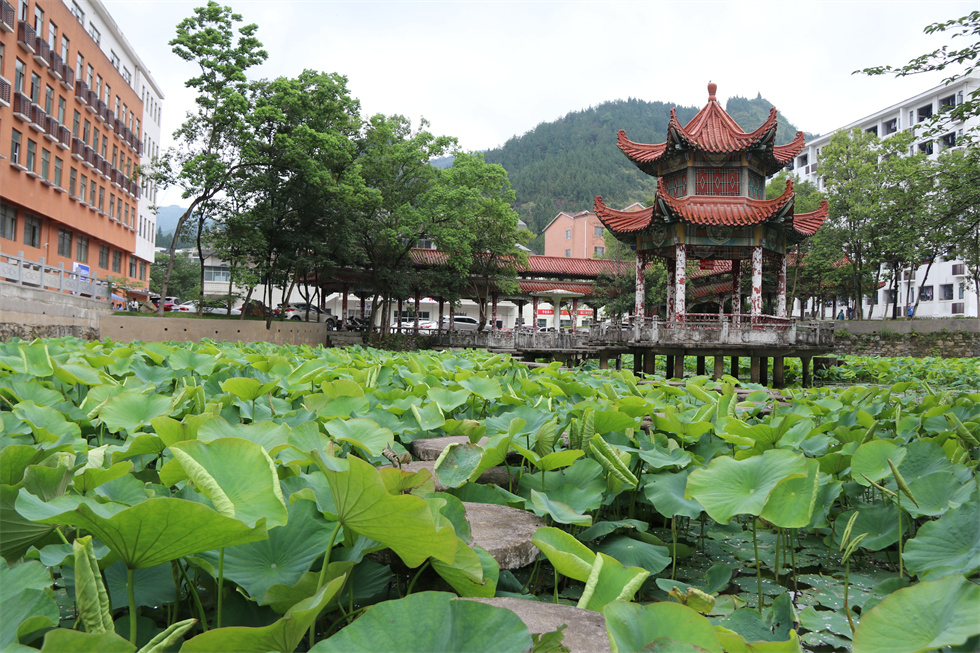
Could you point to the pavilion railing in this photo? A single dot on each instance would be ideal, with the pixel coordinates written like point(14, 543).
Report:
point(713, 328)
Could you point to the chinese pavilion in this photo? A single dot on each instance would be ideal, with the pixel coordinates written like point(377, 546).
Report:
point(711, 206)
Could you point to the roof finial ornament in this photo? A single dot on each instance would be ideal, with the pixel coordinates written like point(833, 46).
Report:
point(712, 88)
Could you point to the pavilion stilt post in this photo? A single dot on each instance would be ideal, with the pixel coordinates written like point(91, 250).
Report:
point(764, 370)
point(736, 286)
point(778, 372)
point(641, 293)
point(679, 366)
point(534, 314)
point(493, 318)
point(756, 283)
point(754, 369)
point(671, 293)
point(574, 314)
point(781, 287)
point(719, 370)
point(700, 365)
point(649, 362)
point(442, 304)
point(734, 366)
point(807, 379)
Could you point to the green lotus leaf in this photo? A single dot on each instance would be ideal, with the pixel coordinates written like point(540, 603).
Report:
point(342, 388)
point(937, 493)
point(171, 431)
point(484, 388)
point(457, 463)
point(879, 521)
point(91, 478)
point(132, 410)
point(185, 359)
point(613, 421)
point(949, 545)
point(871, 460)
point(473, 573)
point(78, 374)
point(91, 598)
point(665, 491)
point(37, 360)
point(562, 513)
point(635, 553)
point(791, 502)
point(15, 459)
point(237, 475)
point(145, 535)
point(268, 435)
point(48, 424)
point(17, 533)
point(282, 558)
point(463, 625)
point(283, 635)
point(659, 457)
point(923, 617)
point(24, 603)
point(729, 487)
point(403, 523)
point(60, 640)
point(609, 581)
point(364, 434)
point(152, 585)
point(494, 453)
point(566, 554)
point(631, 627)
point(282, 597)
point(559, 459)
point(448, 400)
point(247, 389)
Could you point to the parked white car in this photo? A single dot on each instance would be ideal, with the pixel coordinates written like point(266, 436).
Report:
point(460, 323)
point(191, 307)
point(309, 313)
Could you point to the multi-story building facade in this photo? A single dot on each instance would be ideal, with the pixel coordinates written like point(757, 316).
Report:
point(575, 235)
point(946, 291)
point(79, 113)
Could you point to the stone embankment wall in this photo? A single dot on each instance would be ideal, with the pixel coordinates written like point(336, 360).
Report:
point(28, 313)
point(126, 328)
point(958, 338)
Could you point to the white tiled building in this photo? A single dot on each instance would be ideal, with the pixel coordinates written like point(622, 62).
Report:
point(948, 291)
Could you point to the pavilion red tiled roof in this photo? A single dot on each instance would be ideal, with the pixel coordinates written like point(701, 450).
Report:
point(528, 286)
point(722, 210)
point(806, 224)
point(620, 222)
point(712, 131)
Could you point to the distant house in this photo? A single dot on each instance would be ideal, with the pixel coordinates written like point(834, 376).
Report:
point(574, 235)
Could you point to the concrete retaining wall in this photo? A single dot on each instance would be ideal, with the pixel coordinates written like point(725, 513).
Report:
point(29, 313)
point(954, 338)
point(126, 328)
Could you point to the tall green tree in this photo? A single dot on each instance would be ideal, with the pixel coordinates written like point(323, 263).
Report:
point(184, 280)
point(211, 143)
point(958, 206)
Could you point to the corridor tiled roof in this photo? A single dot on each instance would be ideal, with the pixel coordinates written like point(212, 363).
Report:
point(539, 265)
point(528, 286)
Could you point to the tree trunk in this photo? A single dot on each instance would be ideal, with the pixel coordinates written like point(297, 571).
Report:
point(200, 256)
point(918, 295)
point(173, 248)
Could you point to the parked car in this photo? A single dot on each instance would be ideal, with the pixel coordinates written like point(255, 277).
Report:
point(191, 307)
point(460, 323)
point(169, 303)
point(308, 313)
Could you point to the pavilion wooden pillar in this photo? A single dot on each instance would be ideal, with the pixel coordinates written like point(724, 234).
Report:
point(418, 300)
point(736, 286)
point(493, 318)
point(641, 286)
point(735, 364)
point(680, 278)
point(534, 314)
point(671, 294)
point(756, 283)
point(764, 370)
point(781, 287)
point(574, 313)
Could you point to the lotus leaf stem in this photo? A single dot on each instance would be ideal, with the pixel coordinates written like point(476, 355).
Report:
point(758, 563)
point(779, 538)
point(221, 582)
point(62, 536)
point(131, 593)
point(192, 587)
point(673, 539)
point(898, 500)
point(411, 585)
point(323, 576)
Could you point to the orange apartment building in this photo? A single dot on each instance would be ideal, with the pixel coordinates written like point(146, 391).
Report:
point(574, 235)
point(70, 143)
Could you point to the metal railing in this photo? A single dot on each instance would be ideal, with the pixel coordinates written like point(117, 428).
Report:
point(715, 329)
point(39, 275)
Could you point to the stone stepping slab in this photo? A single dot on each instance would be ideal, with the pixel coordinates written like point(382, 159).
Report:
point(504, 532)
point(493, 476)
point(585, 632)
point(432, 448)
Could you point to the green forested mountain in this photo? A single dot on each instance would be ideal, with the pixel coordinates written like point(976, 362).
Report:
point(562, 165)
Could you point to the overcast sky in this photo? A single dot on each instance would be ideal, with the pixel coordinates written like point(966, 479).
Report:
point(486, 71)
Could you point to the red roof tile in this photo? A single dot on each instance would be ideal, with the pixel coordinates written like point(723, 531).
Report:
point(563, 266)
point(784, 154)
point(624, 221)
point(535, 285)
point(723, 287)
point(806, 224)
point(731, 211)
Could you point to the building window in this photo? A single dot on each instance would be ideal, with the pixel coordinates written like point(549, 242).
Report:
point(32, 231)
point(74, 125)
point(112, 206)
point(72, 179)
point(77, 12)
point(598, 232)
point(889, 127)
point(52, 36)
point(35, 88)
point(568, 253)
point(946, 291)
point(91, 193)
point(926, 148)
point(142, 271)
point(57, 172)
point(132, 267)
point(948, 141)
point(82, 187)
point(38, 19)
point(64, 243)
point(947, 103)
point(962, 290)
point(104, 257)
point(114, 58)
point(62, 107)
point(598, 252)
point(802, 160)
point(79, 66)
point(94, 33)
point(45, 164)
point(81, 249)
point(8, 222)
point(116, 261)
point(20, 72)
point(925, 294)
point(31, 154)
point(568, 234)
point(128, 76)
point(924, 113)
point(872, 130)
point(15, 147)
point(48, 100)
point(89, 72)
point(101, 199)
point(65, 43)
point(217, 273)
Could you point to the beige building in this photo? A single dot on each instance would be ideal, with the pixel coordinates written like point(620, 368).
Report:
point(577, 235)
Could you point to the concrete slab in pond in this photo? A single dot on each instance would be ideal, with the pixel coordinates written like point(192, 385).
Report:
point(504, 532)
point(431, 448)
point(586, 631)
point(493, 476)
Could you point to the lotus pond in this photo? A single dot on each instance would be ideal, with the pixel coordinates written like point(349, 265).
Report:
point(221, 497)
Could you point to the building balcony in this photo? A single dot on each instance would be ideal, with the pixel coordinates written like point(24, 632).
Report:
point(100, 110)
point(67, 77)
point(22, 107)
point(51, 128)
point(81, 92)
point(26, 37)
point(64, 137)
point(89, 160)
point(77, 149)
point(91, 100)
point(4, 92)
point(38, 118)
point(56, 65)
point(42, 52)
point(7, 16)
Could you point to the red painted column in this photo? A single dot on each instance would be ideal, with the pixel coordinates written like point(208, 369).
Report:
point(574, 313)
point(736, 286)
point(756, 282)
point(641, 287)
point(781, 287)
point(493, 318)
point(680, 279)
point(671, 294)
